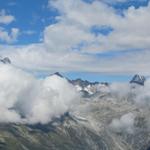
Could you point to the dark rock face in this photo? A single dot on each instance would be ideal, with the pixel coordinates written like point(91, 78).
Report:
point(82, 83)
point(6, 60)
point(138, 79)
point(58, 74)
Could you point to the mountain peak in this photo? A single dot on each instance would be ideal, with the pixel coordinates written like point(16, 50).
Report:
point(138, 79)
point(5, 60)
point(58, 74)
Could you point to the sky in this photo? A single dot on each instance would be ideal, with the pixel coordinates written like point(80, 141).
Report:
point(97, 40)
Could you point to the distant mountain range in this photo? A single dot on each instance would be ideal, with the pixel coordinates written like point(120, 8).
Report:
point(90, 88)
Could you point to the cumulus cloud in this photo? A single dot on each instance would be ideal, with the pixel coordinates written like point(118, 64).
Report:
point(5, 35)
point(25, 99)
point(81, 17)
point(71, 42)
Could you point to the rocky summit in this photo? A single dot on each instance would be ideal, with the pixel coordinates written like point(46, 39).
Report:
point(138, 79)
point(5, 60)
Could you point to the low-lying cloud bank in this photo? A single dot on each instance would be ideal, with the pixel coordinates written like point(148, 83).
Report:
point(124, 124)
point(25, 99)
point(136, 95)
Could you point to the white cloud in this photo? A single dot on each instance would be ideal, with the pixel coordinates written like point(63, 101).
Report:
point(4, 18)
point(129, 32)
point(123, 124)
point(75, 22)
point(37, 58)
point(63, 37)
point(69, 45)
point(142, 98)
point(7, 37)
point(121, 1)
point(36, 100)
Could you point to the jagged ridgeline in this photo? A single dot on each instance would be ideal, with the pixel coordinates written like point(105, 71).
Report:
point(101, 120)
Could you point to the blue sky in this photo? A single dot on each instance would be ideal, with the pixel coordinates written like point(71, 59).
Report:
point(87, 40)
point(30, 16)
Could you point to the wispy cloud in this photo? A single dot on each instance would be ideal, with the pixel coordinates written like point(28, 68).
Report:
point(29, 32)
